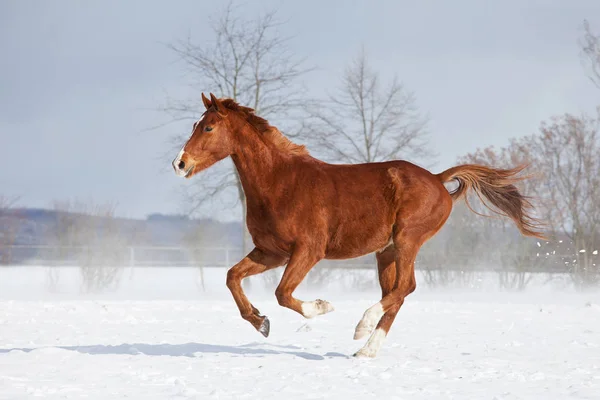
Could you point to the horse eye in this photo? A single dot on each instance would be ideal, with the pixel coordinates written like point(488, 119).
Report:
point(208, 128)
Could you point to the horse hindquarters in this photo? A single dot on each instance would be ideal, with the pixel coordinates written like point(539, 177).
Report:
point(417, 222)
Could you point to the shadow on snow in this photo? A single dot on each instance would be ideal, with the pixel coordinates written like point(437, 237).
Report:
point(185, 350)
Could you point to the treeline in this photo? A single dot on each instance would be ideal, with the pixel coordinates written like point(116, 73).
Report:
point(563, 183)
point(90, 236)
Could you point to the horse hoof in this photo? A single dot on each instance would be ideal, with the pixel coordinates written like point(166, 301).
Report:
point(311, 309)
point(265, 327)
point(365, 353)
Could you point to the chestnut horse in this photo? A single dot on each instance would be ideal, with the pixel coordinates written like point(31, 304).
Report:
point(301, 210)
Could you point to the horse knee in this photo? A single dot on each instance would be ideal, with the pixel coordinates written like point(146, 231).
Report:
point(233, 278)
point(282, 296)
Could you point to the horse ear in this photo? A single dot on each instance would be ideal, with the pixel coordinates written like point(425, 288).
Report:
point(206, 101)
point(216, 103)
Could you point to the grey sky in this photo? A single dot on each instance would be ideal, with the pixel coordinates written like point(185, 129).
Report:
point(77, 79)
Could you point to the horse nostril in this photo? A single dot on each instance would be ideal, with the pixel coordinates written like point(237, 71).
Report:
point(181, 165)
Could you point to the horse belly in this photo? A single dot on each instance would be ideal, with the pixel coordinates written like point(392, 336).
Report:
point(358, 239)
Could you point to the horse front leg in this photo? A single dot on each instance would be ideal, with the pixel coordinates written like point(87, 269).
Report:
point(301, 262)
point(256, 262)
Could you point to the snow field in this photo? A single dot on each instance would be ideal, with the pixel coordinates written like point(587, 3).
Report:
point(158, 335)
point(443, 345)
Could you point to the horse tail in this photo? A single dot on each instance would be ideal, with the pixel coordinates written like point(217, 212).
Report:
point(497, 186)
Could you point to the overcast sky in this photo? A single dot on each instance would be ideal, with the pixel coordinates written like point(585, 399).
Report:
point(78, 80)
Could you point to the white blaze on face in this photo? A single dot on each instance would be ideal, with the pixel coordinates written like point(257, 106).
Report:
point(197, 123)
point(176, 161)
point(183, 171)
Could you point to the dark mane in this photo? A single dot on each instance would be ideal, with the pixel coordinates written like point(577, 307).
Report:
point(262, 125)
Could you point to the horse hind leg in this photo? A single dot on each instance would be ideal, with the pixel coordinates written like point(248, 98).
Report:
point(386, 269)
point(418, 223)
point(378, 319)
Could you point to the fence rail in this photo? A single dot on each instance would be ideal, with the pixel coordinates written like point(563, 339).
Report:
point(172, 256)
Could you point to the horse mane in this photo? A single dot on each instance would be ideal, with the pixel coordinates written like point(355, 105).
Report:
point(271, 133)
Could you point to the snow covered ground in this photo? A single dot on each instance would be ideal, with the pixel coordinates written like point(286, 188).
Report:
point(166, 339)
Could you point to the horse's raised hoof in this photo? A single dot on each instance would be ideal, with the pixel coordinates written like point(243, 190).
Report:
point(265, 327)
point(311, 309)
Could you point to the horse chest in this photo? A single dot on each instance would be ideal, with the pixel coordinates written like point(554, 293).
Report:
point(269, 232)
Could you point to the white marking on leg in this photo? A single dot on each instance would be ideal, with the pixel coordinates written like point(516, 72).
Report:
point(371, 348)
point(368, 322)
point(311, 309)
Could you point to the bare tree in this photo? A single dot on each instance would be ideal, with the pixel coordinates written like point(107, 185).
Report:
point(194, 240)
point(368, 119)
point(91, 236)
point(567, 151)
point(248, 61)
point(590, 48)
point(513, 255)
point(565, 182)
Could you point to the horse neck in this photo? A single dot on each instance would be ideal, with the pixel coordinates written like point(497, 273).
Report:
point(255, 162)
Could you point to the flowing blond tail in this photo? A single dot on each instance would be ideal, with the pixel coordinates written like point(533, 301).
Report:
point(498, 187)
